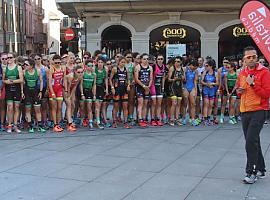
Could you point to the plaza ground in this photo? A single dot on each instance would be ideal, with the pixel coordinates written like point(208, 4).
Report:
point(168, 163)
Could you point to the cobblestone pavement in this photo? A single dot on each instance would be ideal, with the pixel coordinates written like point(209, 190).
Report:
point(168, 163)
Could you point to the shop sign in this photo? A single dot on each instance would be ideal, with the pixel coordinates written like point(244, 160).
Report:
point(240, 31)
point(255, 16)
point(174, 33)
point(174, 50)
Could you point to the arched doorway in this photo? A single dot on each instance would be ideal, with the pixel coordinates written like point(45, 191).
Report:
point(115, 39)
point(232, 41)
point(175, 34)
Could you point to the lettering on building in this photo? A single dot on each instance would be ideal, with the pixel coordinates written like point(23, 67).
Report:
point(174, 33)
point(240, 31)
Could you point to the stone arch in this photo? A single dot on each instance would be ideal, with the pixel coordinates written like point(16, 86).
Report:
point(111, 23)
point(181, 22)
point(225, 25)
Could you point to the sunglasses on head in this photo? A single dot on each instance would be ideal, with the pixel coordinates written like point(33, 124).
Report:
point(89, 65)
point(26, 64)
point(79, 72)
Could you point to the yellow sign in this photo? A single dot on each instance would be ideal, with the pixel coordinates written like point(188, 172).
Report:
point(240, 31)
point(170, 33)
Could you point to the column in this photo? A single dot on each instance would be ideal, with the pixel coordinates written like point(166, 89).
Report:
point(209, 45)
point(93, 42)
point(140, 43)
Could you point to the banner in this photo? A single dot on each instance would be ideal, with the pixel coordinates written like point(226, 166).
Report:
point(255, 16)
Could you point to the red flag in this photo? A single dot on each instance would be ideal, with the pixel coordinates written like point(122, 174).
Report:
point(255, 16)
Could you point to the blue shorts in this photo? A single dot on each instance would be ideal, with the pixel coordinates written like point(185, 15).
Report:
point(209, 93)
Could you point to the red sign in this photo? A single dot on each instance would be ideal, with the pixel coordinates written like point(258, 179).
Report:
point(255, 16)
point(69, 34)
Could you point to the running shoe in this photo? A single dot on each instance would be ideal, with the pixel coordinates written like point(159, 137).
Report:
point(58, 129)
point(194, 122)
point(142, 124)
point(31, 130)
point(231, 121)
point(17, 130)
point(179, 123)
point(85, 122)
point(250, 179)
point(221, 120)
point(108, 125)
point(159, 123)
point(71, 128)
point(153, 123)
point(9, 129)
point(41, 129)
point(215, 121)
point(114, 125)
point(261, 175)
point(2, 128)
point(126, 125)
point(171, 123)
point(234, 120)
point(91, 127)
point(100, 126)
point(184, 122)
point(239, 118)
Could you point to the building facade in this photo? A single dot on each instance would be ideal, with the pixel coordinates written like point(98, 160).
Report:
point(21, 27)
point(204, 27)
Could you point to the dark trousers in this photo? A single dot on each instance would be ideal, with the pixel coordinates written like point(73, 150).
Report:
point(252, 123)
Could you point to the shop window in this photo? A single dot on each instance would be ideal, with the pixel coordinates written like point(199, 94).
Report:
point(115, 39)
point(166, 35)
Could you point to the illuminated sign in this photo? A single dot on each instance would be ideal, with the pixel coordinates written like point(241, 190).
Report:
point(240, 31)
point(174, 33)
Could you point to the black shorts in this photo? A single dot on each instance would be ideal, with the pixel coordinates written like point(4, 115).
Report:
point(121, 94)
point(140, 93)
point(230, 91)
point(100, 92)
point(198, 91)
point(13, 94)
point(175, 90)
point(31, 97)
point(109, 97)
point(88, 95)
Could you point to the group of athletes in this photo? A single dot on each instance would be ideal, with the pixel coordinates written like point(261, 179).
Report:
point(64, 92)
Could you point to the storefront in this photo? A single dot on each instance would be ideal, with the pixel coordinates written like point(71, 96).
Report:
point(150, 26)
point(162, 37)
point(232, 41)
point(115, 39)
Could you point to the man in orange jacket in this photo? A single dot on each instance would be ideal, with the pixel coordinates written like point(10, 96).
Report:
point(253, 86)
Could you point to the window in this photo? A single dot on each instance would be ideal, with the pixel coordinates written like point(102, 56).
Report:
point(65, 22)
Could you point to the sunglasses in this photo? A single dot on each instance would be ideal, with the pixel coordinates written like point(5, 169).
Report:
point(160, 59)
point(4, 58)
point(85, 57)
point(177, 61)
point(79, 72)
point(9, 57)
point(26, 64)
point(251, 56)
point(37, 58)
point(89, 65)
point(57, 63)
point(128, 57)
point(45, 60)
point(145, 58)
point(108, 63)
